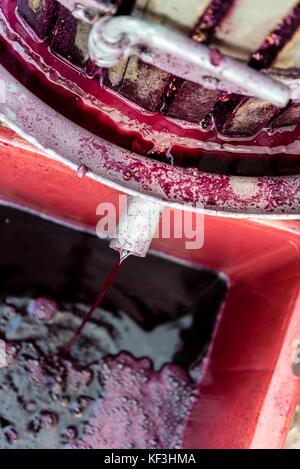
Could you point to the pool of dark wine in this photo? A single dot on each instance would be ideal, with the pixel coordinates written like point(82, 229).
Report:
point(131, 379)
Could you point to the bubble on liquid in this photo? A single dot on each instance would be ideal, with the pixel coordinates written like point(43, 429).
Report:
point(65, 401)
point(146, 408)
point(80, 405)
point(30, 406)
point(11, 435)
point(69, 433)
point(48, 419)
point(42, 309)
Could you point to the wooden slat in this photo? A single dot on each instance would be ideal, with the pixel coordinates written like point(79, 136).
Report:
point(192, 102)
point(181, 14)
point(249, 23)
point(143, 83)
point(249, 117)
point(40, 15)
point(289, 57)
point(70, 39)
point(290, 116)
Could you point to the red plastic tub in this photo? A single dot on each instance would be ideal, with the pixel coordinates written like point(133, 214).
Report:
point(249, 390)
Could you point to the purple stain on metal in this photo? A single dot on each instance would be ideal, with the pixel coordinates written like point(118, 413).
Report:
point(61, 139)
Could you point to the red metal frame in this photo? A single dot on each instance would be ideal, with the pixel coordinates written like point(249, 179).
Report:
point(248, 394)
